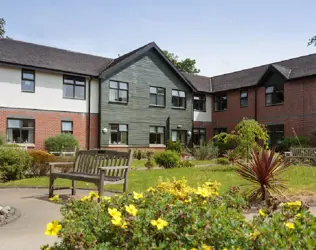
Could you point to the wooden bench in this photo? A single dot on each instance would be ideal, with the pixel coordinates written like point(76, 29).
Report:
point(302, 153)
point(96, 166)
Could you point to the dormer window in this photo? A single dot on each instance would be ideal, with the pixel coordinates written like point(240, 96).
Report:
point(275, 94)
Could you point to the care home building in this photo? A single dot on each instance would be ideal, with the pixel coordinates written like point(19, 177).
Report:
point(141, 100)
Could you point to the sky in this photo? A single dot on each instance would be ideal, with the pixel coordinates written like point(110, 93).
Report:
point(221, 35)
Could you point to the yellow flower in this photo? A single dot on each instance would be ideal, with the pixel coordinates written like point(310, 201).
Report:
point(193, 248)
point(188, 200)
point(131, 209)
point(151, 189)
point(55, 198)
point(117, 221)
point(93, 195)
point(124, 225)
point(262, 213)
point(290, 225)
point(86, 198)
point(298, 215)
point(206, 247)
point(114, 212)
point(106, 198)
point(137, 195)
point(255, 234)
point(160, 223)
point(294, 204)
point(53, 228)
point(203, 192)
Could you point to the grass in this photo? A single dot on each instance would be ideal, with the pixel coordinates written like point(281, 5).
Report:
point(301, 179)
point(141, 163)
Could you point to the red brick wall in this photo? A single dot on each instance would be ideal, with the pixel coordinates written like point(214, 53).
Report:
point(208, 127)
point(48, 123)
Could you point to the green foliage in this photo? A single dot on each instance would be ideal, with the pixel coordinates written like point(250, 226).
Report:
point(2, 139)
point(246, 135)
point(58, 142)
point(175, 146)
point(185, 164)
point(167, 159)
point(205, 151)
point(40, 162)
point(232, 156)
point(224, 146)
point(149, 163)
point(14, 163)
point(222, 161)
point(141, 154)
point(312, 41)
point(293, 142)
point(264, 171)
point(187, 65)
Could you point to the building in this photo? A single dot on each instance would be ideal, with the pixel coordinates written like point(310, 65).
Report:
point(140, 99)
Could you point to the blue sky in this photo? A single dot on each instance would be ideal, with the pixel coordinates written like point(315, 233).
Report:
point(223, 36)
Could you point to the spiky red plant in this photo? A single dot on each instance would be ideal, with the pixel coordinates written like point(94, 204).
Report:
point(263, 170)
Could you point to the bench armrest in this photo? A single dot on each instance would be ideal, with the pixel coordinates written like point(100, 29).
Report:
point(60, 163)
point(112, 168)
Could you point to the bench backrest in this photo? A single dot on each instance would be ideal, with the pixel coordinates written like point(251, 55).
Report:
point(303, 152)
point(89, 161)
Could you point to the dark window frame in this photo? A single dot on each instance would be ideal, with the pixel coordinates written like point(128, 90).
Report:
point(164, 95)
point(21, 128)
point(178, 100)
point(28, 71)
point(180, 131)
point(74, 79)
point(199, 134)
point(218, 98)
point(274, 94)
point(157, 134)
point(199, 103)
point(243, 98)
point(272, 129)
point(67, 131)
point(118, 91)
point(119, 133)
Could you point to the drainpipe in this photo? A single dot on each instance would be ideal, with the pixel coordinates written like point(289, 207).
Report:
point(256, 94)
point(99, 116)
point(89, 113)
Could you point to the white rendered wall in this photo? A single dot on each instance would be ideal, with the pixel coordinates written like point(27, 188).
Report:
point(48, 92)
point(204, 116)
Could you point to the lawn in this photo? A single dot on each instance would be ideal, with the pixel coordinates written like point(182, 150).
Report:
point(141, 163)
point(301, 179)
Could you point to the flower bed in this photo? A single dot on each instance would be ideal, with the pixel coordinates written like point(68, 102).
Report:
point(174, 215)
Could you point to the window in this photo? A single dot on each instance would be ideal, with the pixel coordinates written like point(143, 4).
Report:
point(157, 96)
point(75, 87)
point(156, 135)
point(66, 127)
point(243, 98)
point(118, 92)
point(28, 80)
point(276, 134)
point(20, 131)
point(180, 135)
point(220, 102)
point(119, 134)
point(178, 99)
point(199, 103)
point(275, 94)
point(198, 136)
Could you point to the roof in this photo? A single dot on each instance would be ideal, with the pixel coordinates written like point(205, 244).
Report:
point(34, 55)
point(201, 83)
point(293, 68)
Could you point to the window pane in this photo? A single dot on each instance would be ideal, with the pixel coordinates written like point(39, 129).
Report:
point(28, 123)
point(161, 91)
point(152, 138)
point(160, 139)
point(152, 129)
point(160, 130)
point(196, 98)
point(244, 102)
point(181, 93)
point(123, 96)
point(114, 127)
point(27, 136)
point(113, 84)
point(175, 93)
point(79, 92)
point(161, 100)
point(113, 95)
point(69, 91)
point(27, 86)
point(175, 101)
point(153, 90)
point(269, 99)
point(14, 123)
point(28, 75)
point(71, 81)
point(153, 99)
point(279, 97)
point(182, 102)
point(244, 94)
point(182, 136)
point(66, 126)
point(269, 89)
point(123, 85)
point(79, 82)
point(123, 138)
point(122, 127)
point(174, 136)
point(114, 138)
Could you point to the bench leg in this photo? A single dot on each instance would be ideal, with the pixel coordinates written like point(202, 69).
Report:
point(125, 185)
point(101, 186)
point(73, 190)
point(51, 187)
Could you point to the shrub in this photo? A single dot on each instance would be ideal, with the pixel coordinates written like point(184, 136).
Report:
point(2, 139)
point(64, 168)
point(167, 159)
point(205, 152)
point(139, 155)
point(149, 163)
point(222, 161)
point(232, 156)
point(174, 146)
point(185, 164)
point(58, 142)
point(14, 163)
point(293, 142)
point(40, 166)
point(224, 146)
point(263, 170)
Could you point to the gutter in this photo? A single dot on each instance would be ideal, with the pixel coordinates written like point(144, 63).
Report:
point(256, 95)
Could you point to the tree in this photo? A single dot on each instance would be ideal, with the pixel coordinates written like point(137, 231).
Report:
point(187, 65)
point(2, 29)
point(246, 135)
point(312, 41)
